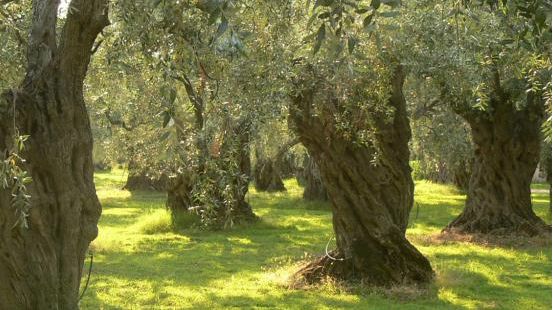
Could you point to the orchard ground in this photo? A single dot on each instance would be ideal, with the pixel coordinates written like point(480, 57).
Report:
point(141, 262)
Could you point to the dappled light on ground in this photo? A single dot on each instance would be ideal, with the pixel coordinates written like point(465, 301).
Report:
point(141, 263)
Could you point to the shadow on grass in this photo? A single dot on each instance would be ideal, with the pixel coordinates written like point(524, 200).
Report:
point(495, 280)
point(247, 266)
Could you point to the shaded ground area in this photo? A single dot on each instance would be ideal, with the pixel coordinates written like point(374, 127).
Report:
point(140, 263)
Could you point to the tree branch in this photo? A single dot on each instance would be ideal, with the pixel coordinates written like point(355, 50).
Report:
point(6, 2)
point(196, 101)
point(118, 122)
point(96, 47)
point(84, 22)
point(42, 39)
point(283, 149)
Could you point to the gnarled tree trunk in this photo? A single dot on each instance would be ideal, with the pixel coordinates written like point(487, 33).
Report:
point(140, 179)
point(179, 192)
point(267, 177)
point(236, 147)
point(370, 202)
point(507, 150)
point(462, 173)
point(267, 173)
point(310, 178)
point(41, 266)
point(241, 211)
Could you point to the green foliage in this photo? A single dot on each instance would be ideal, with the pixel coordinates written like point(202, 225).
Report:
point(344, 21)
point(474, 53)
point(441, 144)
point(156, 222)
point(220, 188)
point(14, 26)
point(159, 221)
point(15, 179)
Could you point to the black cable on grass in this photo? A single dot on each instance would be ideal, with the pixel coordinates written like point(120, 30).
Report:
point(88, 277)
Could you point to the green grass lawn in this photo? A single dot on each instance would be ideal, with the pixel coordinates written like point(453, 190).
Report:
point(140, 263)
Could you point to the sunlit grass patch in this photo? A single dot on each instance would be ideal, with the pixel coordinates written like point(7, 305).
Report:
point(156, 222)
point(142, 262)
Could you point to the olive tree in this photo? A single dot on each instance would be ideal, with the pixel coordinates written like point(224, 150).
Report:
point(41, 262)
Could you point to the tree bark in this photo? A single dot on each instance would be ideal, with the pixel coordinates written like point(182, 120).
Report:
point(241, 211)
point(461, 174)
point(41, 266)
point(140, 179)
point(314, 188)
point(370, 202)
point(266, 176)
point(507, 151)
point(236, 149)
point(179, 188)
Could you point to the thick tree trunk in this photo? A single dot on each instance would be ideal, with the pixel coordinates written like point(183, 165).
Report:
point(179, 187)
point(236, 148)
point(268, 172)
point(314, 188)
point(370, 202)
point(267, 177)
point(507, 148)
point(461, 175)
point(179, 193)
point(140, 179)
point(243, 211)
point(41, 266)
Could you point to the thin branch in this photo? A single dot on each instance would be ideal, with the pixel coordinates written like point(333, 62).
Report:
point(283, 149)
point(6, 2)
point(96, 47)
point(119, 122)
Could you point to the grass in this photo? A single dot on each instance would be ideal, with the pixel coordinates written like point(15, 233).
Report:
point(141, 263)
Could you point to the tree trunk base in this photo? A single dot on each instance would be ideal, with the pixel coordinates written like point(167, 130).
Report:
point(410, 270)
point(469, 223)
point(267, 177)
point(140, 181)
point(244, 214)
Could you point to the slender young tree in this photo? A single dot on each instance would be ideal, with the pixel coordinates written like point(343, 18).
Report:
point(41, 264)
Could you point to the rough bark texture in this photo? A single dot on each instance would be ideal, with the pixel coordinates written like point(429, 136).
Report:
point(179, 193)
point(242, 211)
point(370, 202)
point(268, 172)
point(179, 188)
point(461, 175)
point(235, 148)
point(267, 177)
point(40, 267)
point(507, 150)
point(141, 179)
point(310, 178)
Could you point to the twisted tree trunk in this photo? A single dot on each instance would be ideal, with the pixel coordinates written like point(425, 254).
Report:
point(41, 266)
point(507, 151)
point(267, 177)
point(267, 174)
point(140, 178)
point(314, 188)
point(179, 188)
point(235, 150)
point(462, 173)
point(370, 202)
point(241, 211)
